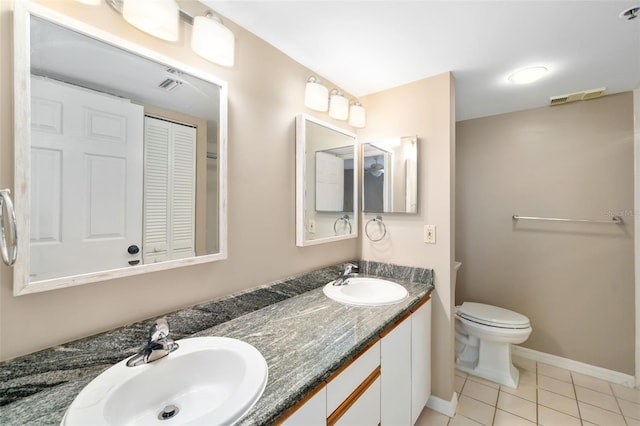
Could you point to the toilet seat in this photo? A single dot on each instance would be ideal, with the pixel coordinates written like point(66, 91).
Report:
point(492, 316)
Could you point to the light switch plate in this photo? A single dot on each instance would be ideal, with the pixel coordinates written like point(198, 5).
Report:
point(430, 234)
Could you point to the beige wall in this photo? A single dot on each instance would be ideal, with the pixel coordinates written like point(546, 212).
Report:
point(574, 281)
point(425, 108)
point(266, 91)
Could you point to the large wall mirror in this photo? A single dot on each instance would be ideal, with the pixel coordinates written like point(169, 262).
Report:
point(390, 175)
point(326, 182)
point(120, 156)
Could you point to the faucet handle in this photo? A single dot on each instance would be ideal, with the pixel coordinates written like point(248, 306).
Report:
point(349, 267)
point(159, 330)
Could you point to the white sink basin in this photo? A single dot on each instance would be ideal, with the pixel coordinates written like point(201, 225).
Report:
point(211, 380)
point(365, 291)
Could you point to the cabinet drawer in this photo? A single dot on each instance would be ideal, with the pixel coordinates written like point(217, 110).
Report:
point(365, 411)
point(342, 384)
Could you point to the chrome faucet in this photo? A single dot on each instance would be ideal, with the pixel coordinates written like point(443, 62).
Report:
point(343, 278)
point(158, 346)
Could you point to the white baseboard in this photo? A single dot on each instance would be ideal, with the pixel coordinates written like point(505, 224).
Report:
point(577, 366)
point(448, 408)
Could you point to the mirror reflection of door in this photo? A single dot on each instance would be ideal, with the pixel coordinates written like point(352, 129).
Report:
point(86, 193)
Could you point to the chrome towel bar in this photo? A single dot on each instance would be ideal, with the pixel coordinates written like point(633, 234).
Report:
point(616, 220)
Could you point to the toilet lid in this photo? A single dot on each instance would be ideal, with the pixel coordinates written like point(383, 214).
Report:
point(492, 315)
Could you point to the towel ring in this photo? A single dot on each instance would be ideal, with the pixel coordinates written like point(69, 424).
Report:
point(9, 258)
point(346, 219)
point(380, 223)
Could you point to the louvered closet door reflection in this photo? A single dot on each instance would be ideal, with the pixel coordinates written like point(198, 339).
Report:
point(169, 190)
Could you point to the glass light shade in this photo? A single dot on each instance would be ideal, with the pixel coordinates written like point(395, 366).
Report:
point(527, 75)
point(357, 116)
point(160, 18)
point(90, 2)
point(213, 41)
point(316, 96)
point(338, 106)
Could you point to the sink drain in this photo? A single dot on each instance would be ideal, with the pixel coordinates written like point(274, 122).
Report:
point(168, 412)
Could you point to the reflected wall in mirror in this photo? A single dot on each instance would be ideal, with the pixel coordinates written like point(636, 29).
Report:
point(326, 185)
point(390, 175)
point(122, 158)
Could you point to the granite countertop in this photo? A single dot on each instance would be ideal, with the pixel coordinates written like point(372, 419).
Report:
point(303, 335)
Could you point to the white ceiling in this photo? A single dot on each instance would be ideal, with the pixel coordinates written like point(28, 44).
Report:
point(368, 46)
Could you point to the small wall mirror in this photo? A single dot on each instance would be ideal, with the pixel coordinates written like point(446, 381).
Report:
point(390, 175)
point(120, 156)
point(326, 182)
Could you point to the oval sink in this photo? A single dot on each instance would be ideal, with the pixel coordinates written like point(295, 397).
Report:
point(366, 291)
point(207, 380)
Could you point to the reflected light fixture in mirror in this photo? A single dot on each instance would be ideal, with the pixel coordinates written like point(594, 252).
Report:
point(357, 115)
point(316, 96)
point(160, 18)
point(212, 40)
point(338, 105)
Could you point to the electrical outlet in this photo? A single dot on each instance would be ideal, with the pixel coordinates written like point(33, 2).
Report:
point(312, 227)
point(430, 234)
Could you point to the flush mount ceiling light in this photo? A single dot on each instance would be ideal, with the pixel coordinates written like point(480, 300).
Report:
point(357, 115)
point(527, 75)
point(338, 105)
point(160, 18)
point(212, 40)
point(316, 96)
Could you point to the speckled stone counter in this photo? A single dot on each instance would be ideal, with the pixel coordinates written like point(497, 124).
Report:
point(303, 335)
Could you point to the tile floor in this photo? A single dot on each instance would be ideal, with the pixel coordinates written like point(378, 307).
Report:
point(547, 395)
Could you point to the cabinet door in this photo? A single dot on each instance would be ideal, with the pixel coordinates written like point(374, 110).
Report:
point(420, 359)
point(311, 413)
point(395, 362)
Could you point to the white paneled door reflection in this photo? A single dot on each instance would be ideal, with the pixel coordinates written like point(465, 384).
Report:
point(86, 178)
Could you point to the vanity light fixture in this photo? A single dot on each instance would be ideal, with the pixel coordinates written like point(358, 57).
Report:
point(357, 115)
point(527, 75)
point(212, 40)
point(316, 96)
point(338, 105)
point(160, 18)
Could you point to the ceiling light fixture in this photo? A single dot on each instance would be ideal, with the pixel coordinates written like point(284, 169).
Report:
point(316, 96)
point(212, 40)
point(338, 105)
point(631, 13)
point(527, 75)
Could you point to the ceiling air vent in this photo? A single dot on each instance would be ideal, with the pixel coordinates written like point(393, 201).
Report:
point(577, 96)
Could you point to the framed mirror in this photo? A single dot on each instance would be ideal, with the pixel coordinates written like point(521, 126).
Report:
point(390, 175)
point(120, 156)
point(326, 182)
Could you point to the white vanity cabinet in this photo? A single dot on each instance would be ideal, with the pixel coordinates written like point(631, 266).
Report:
point(312, 411)
point(388, 383)
point(406, 366)
point(420, 358)
point(396, 367)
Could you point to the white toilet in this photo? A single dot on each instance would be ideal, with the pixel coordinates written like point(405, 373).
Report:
point(484, 335)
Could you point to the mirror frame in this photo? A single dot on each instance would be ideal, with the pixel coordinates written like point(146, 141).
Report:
point(302, 180)
point(23, 10)
point(376, 142)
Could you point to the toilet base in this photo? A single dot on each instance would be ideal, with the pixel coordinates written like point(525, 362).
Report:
point(493, 363)
point(509, 378)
